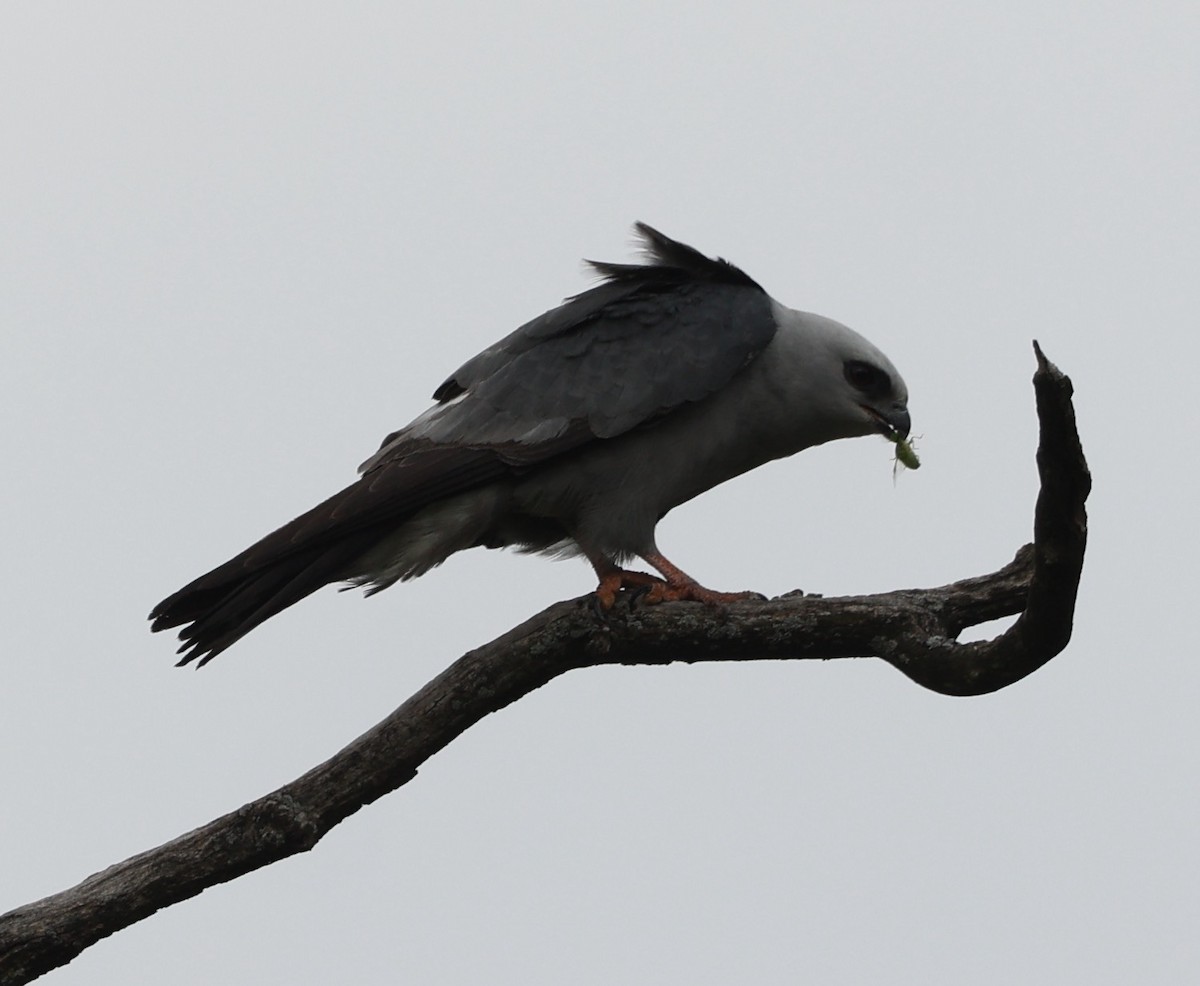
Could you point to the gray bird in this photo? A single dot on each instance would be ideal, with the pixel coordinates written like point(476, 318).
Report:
point(575, 434)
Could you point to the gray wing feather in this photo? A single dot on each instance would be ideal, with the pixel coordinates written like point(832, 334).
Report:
point(606, 361)
point(574, 312)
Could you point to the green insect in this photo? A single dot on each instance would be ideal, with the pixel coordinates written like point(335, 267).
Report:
point(906, 455)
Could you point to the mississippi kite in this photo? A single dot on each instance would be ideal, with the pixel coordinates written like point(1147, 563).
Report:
point(575, 434)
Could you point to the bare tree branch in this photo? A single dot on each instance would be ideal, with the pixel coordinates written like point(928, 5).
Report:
point(913, 630)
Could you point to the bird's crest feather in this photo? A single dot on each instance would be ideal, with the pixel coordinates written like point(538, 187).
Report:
point(671, 261)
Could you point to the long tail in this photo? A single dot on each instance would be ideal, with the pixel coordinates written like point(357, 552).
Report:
point(225, 604)
point(318, 547)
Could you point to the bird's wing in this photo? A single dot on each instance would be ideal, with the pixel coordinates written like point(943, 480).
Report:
point(650, 338)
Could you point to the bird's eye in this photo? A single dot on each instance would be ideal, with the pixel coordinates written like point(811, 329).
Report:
point(866, 378)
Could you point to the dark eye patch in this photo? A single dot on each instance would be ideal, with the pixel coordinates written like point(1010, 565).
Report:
point(868, 379)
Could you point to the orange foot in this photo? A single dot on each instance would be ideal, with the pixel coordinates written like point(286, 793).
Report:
point(615, 579)
point(675, 585)
point(678, 584)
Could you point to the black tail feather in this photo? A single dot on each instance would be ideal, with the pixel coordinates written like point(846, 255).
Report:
point(219, 615)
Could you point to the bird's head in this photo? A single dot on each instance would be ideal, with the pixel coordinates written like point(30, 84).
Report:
point(841, 380)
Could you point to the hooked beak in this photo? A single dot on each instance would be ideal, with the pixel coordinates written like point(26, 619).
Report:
point(894, 423)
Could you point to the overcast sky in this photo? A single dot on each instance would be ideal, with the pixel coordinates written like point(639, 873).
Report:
point(243, 241)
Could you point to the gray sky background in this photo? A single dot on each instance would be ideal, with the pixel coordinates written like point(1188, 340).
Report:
point(243, 241)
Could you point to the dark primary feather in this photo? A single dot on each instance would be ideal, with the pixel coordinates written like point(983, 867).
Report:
point(650, 338)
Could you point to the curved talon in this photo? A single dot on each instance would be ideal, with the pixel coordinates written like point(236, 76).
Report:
point(599, 610)
point(638, 593)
